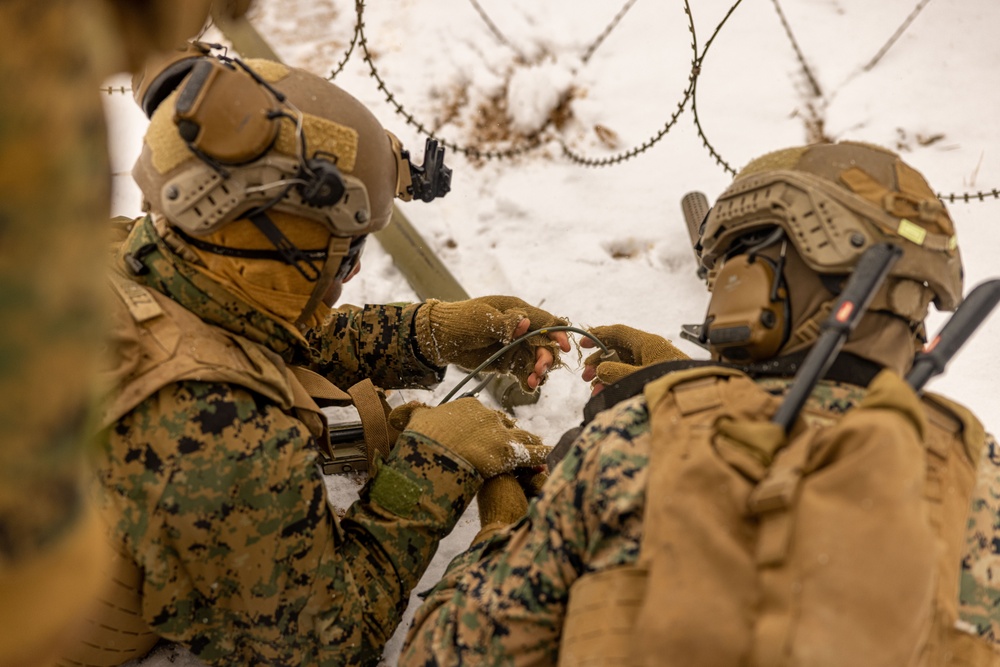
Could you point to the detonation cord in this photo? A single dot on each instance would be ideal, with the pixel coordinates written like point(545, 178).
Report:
point(471, 374)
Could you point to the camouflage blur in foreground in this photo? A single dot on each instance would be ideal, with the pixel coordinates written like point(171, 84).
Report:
point(504, 601)
point(54, 198)
point(212, 489)
point(54, 193)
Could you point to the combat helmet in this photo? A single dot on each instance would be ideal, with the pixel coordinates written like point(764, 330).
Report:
point(809, 213)
point(232, 141)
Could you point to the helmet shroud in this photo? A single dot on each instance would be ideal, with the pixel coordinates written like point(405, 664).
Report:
point(265, 156)
point(832, 202)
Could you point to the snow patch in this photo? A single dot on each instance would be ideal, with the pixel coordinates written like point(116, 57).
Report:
point(535, 91)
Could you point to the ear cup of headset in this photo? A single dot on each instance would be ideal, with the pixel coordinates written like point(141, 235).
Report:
point(748, 316)
point(224, 114)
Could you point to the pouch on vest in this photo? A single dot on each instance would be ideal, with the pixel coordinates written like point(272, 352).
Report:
point(815, 550)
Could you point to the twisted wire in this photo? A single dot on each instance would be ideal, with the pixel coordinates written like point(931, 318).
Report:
point(468, 151)
point(690, 94)
point(694, 94)
point(813, 83)
point(339, 67)
point(896, 35)
point(607, 31)
point(649, 143)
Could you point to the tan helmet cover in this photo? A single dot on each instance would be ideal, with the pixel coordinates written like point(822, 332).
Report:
point(196, 197)
point(836, 200)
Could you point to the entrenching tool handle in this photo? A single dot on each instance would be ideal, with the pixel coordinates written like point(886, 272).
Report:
point(971, 313)
point(868, 276)
point(694, 206)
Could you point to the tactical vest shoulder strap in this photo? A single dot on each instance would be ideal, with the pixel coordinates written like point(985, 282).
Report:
point(845, 368)
point(159, 342)
point(969, 428)
point(694, 389)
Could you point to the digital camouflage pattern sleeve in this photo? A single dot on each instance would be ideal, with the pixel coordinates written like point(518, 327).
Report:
point(214, 493)
point(979, 602)
point(374, 342)
point(503, 602)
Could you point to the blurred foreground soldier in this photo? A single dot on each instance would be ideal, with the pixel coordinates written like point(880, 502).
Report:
point(54, 203)
point(262, 183)
point(684, 528)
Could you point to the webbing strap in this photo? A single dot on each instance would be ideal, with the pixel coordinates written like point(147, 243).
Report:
point(772, 501)
point(846, 368)
point(318, 387)
point(374, 420)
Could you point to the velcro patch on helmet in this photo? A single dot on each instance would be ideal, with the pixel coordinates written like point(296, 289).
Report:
point(167, 148)
point(785, 159)
point(322, 136)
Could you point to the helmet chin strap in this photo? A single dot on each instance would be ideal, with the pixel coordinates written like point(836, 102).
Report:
point(334, 258)
point(338, 248)
point(290, 253)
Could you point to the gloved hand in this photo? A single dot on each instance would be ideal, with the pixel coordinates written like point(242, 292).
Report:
point(501, 503)
point(532, 479)
point(635, 349)
point(487, 439)
point(467, 333)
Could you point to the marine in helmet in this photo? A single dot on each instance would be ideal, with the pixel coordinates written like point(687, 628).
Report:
point(680, 529)
point(262, 183)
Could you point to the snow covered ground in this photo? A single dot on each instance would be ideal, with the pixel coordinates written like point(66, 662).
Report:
point(602, 245)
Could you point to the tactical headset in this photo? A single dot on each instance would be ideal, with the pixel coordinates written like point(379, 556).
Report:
point(228, 116)
point(749, 316)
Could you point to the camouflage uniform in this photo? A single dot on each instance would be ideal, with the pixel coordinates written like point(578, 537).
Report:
point(212, 489)
point(504, 601)
point(54, 194)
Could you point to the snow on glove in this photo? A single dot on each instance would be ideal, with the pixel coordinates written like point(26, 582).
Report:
point(487, 439)
point(467, 333)
point(501, 503)
point(635, 349)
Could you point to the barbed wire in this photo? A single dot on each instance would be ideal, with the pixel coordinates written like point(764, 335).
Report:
point(468, 151)
point(896, 35)
point(689, 95)
point(813, 83)
point(339, 67)
point(607, 31)
point(497, 33)
point(951, 197)
point(587, 52)
point(694, 93)
point(969, 197)
point(649, 143)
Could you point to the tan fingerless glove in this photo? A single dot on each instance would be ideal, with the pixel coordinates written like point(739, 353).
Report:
point(467, 333)
point(487, 439)
point(635, 349)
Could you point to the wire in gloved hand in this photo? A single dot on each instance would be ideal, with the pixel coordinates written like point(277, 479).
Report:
point(635, 349)
point(586, 334)
point(465, 333)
